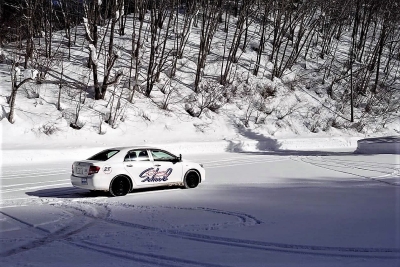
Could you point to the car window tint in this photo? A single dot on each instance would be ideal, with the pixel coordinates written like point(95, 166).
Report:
point(104, 155)
point(143, 155)
point(159, 155)
point(131, 156)
point(137, 155)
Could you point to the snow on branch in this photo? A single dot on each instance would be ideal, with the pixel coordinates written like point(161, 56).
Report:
point(117, 79)
point(93, 53)
point(87, 30)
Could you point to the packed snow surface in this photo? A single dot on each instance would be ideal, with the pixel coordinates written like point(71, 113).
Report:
point(284, 208)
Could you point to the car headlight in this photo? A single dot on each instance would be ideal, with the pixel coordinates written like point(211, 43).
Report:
point(201, 165)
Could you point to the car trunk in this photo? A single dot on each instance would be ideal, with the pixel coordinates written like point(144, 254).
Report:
point(81, 168)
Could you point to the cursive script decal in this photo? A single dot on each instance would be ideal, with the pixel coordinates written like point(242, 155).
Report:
point(155, 175)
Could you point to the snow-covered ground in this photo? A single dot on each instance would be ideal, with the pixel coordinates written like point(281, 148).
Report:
point(292, 208)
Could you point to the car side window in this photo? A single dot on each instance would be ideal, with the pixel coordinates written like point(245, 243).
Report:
point(137, 155)
point(159, 155)
point(131, 156)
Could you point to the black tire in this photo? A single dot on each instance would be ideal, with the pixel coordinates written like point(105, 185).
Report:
point(192, 180)
point(120, 186)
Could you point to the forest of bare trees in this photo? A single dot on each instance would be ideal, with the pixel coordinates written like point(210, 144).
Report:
point(358, 42)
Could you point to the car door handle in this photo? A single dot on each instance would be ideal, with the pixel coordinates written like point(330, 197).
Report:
point(157, 165)
point(129, 165)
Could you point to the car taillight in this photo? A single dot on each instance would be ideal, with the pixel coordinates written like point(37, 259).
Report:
point(72, 168)
point(93, 170)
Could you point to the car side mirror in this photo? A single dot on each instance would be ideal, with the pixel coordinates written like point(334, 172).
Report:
point(177, 159)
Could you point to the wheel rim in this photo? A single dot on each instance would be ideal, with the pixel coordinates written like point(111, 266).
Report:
point(119, 187)
point(192, 180)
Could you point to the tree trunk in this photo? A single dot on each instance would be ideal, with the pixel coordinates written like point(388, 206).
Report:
point(112, 57)
point(380, 51)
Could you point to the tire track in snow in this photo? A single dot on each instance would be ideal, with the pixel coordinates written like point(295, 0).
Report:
point(391, 170)
point(328, 251)
point(296, 249)
point(372, 164)
point(37, 242)
point(335, 165)
point(60, 235)
point(150, 258)
point(44, 182)
point(242, 218)
point(242, 157)
point(238, 161)
point(32, 174)
point(32, 187)
point(359, 167)
point(23, 170)
point(239, 157)
point(67, 233)
point(327, 166)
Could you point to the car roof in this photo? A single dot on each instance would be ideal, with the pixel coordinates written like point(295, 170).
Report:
point(126, 149)
point(122, 148)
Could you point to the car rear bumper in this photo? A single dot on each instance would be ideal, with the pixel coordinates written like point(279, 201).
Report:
point(85, 183)
point(90, 183)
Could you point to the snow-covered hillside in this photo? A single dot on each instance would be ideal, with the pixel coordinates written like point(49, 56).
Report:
point(248, 108)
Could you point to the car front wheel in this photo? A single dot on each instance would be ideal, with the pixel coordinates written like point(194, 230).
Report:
point(192, 180)
point(120, 186)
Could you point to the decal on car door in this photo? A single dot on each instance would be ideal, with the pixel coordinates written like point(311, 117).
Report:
point(155, 175)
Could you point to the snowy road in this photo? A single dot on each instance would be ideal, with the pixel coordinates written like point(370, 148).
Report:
point(288, 209)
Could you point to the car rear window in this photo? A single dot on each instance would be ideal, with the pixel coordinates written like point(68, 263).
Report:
point(104, 155)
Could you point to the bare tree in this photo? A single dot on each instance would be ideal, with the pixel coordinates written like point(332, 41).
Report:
point(263, 15)
point(158, 14)
point(69, 15)
point(15, 85)
point(92, 13)
point(27, 23)
point(294, 27)
point(182, 33)
point(241, 26)
point(210, 14)
point(124, 8)
point(137, 45)
point(112, 55)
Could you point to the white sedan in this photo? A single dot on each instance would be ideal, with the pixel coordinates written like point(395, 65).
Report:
point(120, 170)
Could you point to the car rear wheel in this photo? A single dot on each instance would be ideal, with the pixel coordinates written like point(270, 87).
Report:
point(192, 180)
point(120, 186)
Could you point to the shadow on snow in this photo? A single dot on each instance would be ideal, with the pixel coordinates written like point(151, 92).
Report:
point(73, 192)
point(270, 146)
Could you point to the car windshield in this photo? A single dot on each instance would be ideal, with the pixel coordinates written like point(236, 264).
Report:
point(104, 155)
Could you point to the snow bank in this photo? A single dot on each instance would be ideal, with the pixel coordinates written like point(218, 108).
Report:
point(379, 145)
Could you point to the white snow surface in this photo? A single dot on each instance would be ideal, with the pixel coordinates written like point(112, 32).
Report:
point(293, 208)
